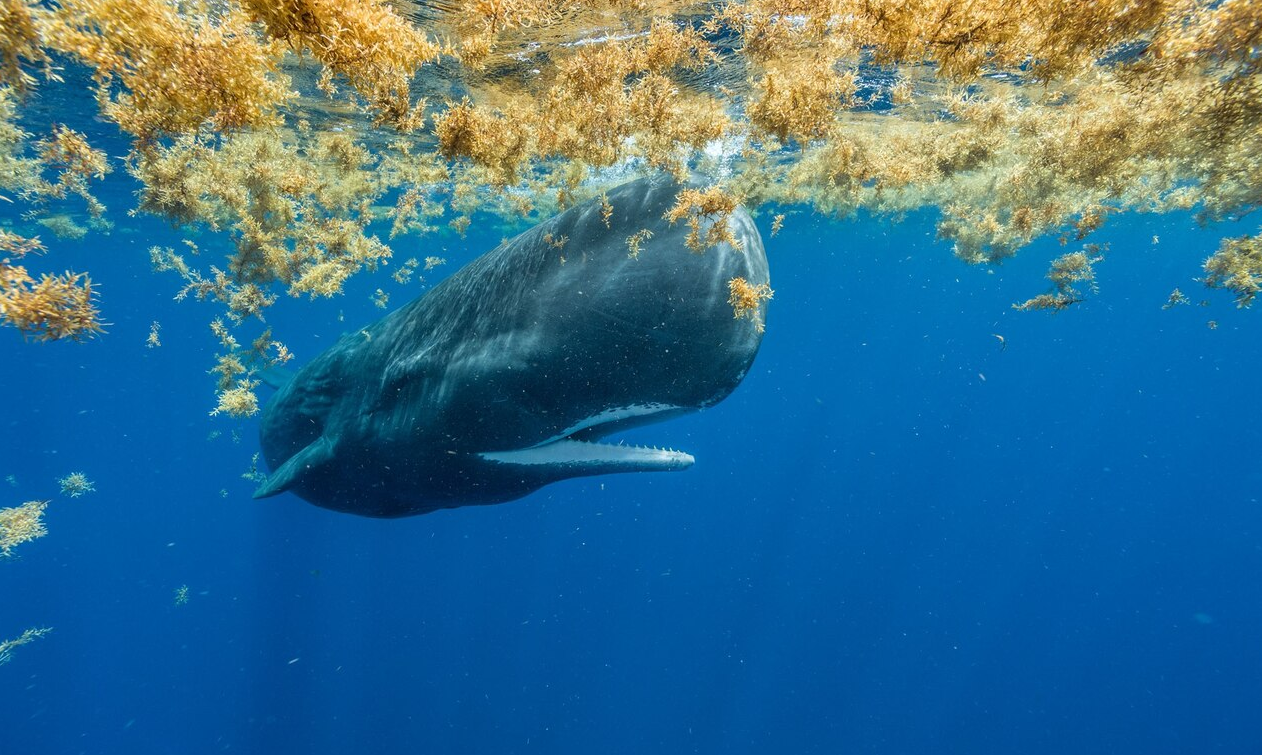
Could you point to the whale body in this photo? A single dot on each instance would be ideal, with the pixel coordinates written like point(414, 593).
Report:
point(505, 376)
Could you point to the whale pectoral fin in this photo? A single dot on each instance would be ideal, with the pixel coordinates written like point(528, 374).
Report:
point(275, 377)
point(319, 453)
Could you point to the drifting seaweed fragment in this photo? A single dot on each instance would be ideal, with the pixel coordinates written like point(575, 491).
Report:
point(711, 207)
point(76, 484)
point(405, 272)
point(74, 162)
point(747, 299)
point(1066, 272)
point(21, 524)
point(777, 225)
point(1237, 267)
point(50, 308)
point(234, 391)
point(14, 245)
point(636, 240)
point(1176, 298)
point(240, 400)
point(30, 635)
point(63, 226)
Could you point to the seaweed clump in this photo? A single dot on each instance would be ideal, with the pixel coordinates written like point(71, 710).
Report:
point(1066, 272)
point(45, 307)
point(617, 99)
point(166, 68)
point(50, 307)
point(747, 299)
point(235, 388)
point(1237, 267)
point(21, 524)
point(365, 42)
point(710, 208)
point(76, 484)
point(296, 211)
point(20, 45)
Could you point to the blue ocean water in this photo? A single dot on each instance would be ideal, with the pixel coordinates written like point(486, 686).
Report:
point(900, 536)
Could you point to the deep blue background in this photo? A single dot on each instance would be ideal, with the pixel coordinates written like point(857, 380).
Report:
point(897, 538)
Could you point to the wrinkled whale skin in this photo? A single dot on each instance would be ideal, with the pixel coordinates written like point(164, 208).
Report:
point(502, 378)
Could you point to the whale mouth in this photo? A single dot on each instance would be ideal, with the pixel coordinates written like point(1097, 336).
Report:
point(578, 449)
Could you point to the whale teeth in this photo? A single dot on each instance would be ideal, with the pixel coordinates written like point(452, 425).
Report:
point(612, 457)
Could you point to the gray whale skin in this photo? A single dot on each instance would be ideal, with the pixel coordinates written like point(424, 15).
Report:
point(504, 377)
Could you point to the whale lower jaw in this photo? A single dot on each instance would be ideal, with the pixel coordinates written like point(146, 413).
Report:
point(581, 457)
point(570, 456)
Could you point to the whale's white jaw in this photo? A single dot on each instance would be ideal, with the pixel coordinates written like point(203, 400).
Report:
point(591, 457)
point(584, 457)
